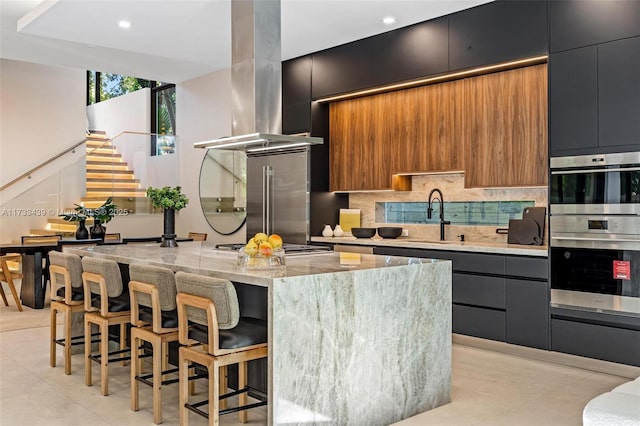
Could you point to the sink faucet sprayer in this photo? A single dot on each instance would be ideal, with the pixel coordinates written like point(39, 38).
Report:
point(430, 211)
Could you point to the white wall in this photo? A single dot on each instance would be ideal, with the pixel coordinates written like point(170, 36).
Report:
point(203, 109)
point(42, 112)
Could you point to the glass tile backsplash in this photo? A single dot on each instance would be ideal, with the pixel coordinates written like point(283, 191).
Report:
point(490, 213)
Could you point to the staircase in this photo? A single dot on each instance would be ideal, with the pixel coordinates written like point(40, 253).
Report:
point(107, 176)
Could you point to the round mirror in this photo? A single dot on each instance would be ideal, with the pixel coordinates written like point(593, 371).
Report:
point(223, 190)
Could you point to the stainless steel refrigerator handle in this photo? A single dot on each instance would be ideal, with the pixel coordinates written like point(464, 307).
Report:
point(265, 189)
point(267, 229)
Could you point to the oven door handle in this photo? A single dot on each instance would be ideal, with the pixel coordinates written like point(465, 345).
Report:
point(583, 171)
point(600, 240)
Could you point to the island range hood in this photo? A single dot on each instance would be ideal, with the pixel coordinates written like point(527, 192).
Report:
point(256, 82)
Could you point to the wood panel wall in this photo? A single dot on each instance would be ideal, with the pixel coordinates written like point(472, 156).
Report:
point(492, 126)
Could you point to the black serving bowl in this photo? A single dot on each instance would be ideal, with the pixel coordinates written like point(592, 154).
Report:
point(389, 232)
point(363, 232)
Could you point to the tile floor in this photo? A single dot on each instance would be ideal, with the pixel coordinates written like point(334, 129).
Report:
point(489, 388)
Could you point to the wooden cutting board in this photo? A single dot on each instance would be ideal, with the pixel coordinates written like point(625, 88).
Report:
point(523, 231)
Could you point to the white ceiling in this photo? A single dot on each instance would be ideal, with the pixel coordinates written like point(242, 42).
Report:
point(173, 40)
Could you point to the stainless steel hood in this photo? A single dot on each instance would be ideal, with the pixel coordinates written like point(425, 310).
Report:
point(256, 81)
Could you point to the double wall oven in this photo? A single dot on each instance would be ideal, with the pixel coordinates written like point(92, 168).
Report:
point(595, 232)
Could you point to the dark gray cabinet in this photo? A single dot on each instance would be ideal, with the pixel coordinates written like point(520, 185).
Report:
point(498, 297)
point(497, 32)
point(403, 54)
point(296, 95)
point(594, 99)
point(573, 101)
point(527, 311)
point(596, 335)
point(619, 92)
point(578, 23)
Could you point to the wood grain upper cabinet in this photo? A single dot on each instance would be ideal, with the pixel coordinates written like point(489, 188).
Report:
point(506, 137)
point(359, 150)
point(408, 131)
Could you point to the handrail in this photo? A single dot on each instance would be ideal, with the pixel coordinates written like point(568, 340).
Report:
point(224, 168)
point(68, 150)
point(41, 165)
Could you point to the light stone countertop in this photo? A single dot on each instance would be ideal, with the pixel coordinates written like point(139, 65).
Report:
point(333, 319)
point(201, 257)
point(416, 243)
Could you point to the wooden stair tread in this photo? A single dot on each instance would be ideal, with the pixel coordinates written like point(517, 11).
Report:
point(117, 172)
point(118, 179)
point(105, 160)
point(101, 155)
point(112, 184)
point(106, 166)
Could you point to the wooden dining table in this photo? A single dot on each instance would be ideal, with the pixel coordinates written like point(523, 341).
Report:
point(34, 282)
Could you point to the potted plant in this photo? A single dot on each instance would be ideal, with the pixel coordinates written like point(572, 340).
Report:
point(77, 215)
point(170, 199)
point(100, 215)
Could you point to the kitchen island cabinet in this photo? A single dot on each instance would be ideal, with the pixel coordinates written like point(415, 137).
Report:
point(491, 303)
point(364, 340)
point(499, 291)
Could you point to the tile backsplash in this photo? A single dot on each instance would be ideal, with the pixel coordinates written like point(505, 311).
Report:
point(491, 213)
point(474, 212)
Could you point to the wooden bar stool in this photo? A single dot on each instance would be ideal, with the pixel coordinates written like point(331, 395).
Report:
point(154, 318)
point(110, 306)
point(67, 297)
point(215, 336)
point(7, 273)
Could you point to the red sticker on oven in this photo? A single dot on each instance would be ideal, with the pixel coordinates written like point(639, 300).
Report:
point(621, 270)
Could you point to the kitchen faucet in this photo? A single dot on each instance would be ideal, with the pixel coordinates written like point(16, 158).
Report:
point(430, 211)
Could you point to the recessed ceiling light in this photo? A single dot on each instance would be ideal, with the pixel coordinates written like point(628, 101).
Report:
point(388, 20)
point(124, 24)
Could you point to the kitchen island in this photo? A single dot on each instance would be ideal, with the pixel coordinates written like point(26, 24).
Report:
point(353, 339)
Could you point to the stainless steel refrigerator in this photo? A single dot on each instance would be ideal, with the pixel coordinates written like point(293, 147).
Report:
point(278, 194)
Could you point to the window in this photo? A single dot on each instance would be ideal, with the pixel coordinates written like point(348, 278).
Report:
point(103, 86)
point(163, 119)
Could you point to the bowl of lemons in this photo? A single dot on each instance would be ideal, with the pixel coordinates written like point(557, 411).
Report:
point(262, 251)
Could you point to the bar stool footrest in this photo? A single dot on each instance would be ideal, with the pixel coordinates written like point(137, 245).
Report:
point(145, 379)
point(195, 406)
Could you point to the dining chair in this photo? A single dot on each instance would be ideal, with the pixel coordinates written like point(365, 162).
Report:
point(40, 239)
point(197, 236)
point(106, 303)
point(214, 335)
point(154, 320)
point(67, 297)
point(10, 269)
point(115, 236)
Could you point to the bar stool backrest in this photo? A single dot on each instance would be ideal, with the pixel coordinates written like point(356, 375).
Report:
point(59, 264)
point(109, 270)
point(164, 281)
point(220, 291)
